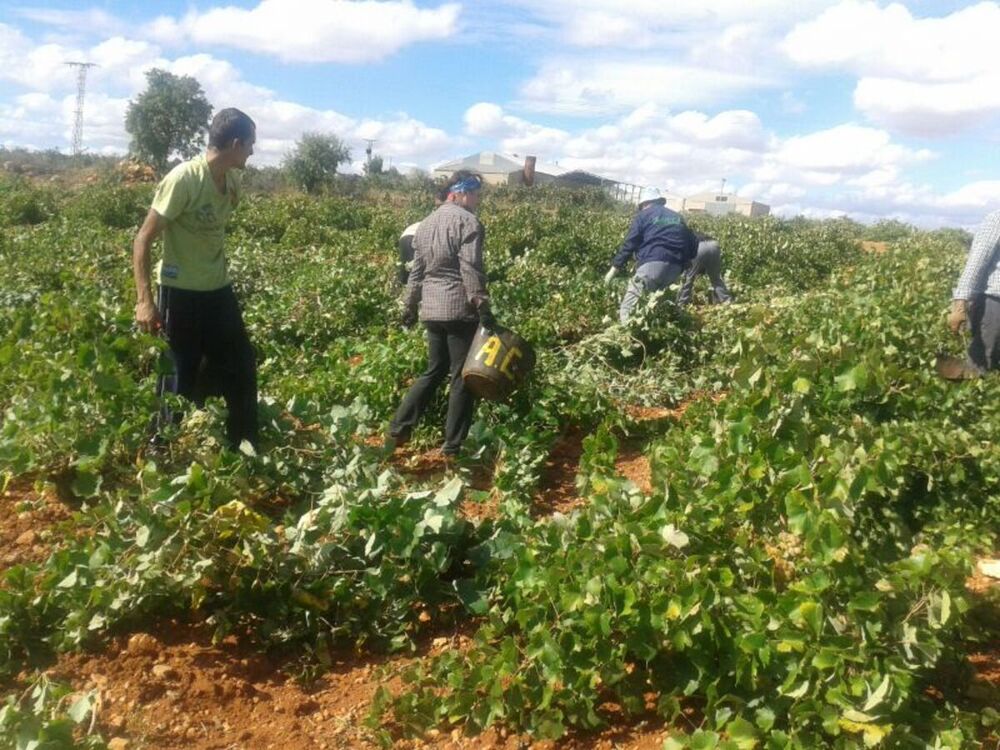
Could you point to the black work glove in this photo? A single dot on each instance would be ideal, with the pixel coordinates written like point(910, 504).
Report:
point(409, 318)
point(486, 318)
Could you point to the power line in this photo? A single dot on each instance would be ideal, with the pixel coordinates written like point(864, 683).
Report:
point(81, 89)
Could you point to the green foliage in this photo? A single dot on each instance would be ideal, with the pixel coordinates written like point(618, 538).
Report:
point(24, 203)
point(800, 574)
point(48, 716)
point(760, 254)
point(112, 205)
point(48, 162)
point(796, 575)
point(264, 179)
point(169, 118)
point(313, 163)
point(373, 167)
point(889, 230)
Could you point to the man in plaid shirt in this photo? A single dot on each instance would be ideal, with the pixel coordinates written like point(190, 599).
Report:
point(447, 285)
point(976, 301)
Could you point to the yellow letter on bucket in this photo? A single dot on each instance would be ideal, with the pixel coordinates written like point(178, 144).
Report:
point(512, 355)
point(490, 350)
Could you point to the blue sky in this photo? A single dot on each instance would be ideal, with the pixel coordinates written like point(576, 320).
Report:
point(819, 107)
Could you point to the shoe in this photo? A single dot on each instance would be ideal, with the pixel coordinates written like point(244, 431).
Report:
point(953, 368)
point(392, 442)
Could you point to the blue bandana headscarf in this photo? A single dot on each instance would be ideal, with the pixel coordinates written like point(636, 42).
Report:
point(467, 185)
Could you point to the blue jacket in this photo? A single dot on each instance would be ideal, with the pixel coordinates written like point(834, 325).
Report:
point(657, 234)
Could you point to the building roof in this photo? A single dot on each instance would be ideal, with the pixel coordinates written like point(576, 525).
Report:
point(495, 162)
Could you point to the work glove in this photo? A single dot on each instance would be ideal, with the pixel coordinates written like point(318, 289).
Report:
point(610, 275)
point(958, 316)
point(409, 318)
point(486, 318)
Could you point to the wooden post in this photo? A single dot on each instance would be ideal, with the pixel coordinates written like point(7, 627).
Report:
point(529, 170)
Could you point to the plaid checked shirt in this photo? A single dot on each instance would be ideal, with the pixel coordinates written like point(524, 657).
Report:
point(447, 278)
point(982, 269)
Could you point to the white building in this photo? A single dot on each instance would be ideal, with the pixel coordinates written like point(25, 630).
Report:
point(719, 204)
point(510, 169)
point(498, 168)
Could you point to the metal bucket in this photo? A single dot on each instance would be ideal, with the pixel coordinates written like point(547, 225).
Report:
point(498, 362)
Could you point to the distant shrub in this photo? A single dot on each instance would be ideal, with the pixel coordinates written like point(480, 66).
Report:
point(51, 162)
point(271, 218)
point(22, 202)
point(767, 251)
point(114, 205)
point(265, 179)
point(312, 165)
point(889, 230)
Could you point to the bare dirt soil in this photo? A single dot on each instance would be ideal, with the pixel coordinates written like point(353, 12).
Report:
point(28, 518)
point(985, 657)
point(633, 464)
point(173, 689)
point(869, 246)
point(557, 491)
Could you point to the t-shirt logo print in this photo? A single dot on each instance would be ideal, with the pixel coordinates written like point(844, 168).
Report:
point(205, 215)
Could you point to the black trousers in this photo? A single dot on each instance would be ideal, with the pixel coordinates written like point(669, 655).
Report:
point(984, 323)
point(211, 354)
point(405, 256)
point(447, 344)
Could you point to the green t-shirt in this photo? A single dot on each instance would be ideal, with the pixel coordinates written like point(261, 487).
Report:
point(196, 214)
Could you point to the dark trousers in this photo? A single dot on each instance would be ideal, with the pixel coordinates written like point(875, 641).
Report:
point(211, 354)
point(984, 323)
point(405, 258)
point(447, 344)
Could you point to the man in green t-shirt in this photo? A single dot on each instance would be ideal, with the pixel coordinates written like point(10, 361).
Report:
point(197, 309)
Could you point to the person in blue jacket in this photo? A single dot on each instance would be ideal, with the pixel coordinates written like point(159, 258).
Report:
point(663, 247)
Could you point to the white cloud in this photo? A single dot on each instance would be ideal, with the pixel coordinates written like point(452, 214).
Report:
point(38, 120)
point(848, 169)
point(733, 129)
point(725, 36)
point(91, 20)
point(979, 197)
point(916, 204)
point(28, 64)
point(347, 31)
point(930, 108)
point(517, 135)
point(600, 86)
point(660, 74)
point(42, 67)
point(615, 56)
point(925, 76)
point(850, 149)
point(653, 23)
point(43, 116)
point(222, 82)
point(684, 152)
point(868, 39)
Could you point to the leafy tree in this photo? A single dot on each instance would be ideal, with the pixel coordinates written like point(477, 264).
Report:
point(890, 230)
point(373, 168)
point(170, 117)
point(313, 164)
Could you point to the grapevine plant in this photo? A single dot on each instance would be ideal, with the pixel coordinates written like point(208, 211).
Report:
point(795, 578)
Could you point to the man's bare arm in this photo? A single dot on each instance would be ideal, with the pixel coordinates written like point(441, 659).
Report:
point(146, 314)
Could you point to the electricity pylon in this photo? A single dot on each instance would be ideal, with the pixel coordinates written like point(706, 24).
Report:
point(81, 89)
